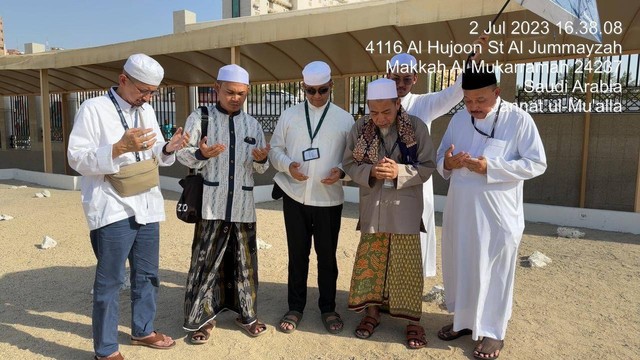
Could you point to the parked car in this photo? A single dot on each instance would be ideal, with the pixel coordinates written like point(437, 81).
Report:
point(279, 97)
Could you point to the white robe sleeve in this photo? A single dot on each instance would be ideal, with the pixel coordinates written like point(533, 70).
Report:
point(439, 103)
point(531, 163)
point(444, 145)
point(278, 154)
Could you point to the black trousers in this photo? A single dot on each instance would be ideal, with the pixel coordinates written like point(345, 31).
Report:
point(303, 222)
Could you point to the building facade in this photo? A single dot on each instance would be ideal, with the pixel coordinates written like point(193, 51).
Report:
point(237, 8)
point(3, 48)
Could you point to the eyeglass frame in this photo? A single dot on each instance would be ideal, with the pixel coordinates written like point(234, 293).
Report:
point(312, 91)
point(142, 92)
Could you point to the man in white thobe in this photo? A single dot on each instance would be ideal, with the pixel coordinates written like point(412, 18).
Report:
point(486, 153)
point(427, 107)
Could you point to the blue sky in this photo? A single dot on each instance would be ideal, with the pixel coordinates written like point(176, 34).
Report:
point(72, 24)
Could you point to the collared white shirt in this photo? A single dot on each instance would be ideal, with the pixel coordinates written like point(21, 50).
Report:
point(291, 137)
point(228, 191)
point(96, 128)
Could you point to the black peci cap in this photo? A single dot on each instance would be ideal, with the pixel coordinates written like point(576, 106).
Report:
point(477, 76)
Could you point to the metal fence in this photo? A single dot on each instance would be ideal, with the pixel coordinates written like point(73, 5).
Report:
point(55, 112)
point(358, 88)
point(541, 87)
point(165, 106)
point(20, 134)
point(561, 86)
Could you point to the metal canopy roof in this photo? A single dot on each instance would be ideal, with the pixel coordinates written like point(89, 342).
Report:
point(276, 47)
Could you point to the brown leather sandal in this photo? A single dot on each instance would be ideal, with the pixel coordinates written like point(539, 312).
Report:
point(118, 356)
point(368, 324)
point(254, 329)
point(151, 340)
point(416, 334)
point(201, 336)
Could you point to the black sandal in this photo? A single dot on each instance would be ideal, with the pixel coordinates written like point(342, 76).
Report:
point(446, 333)
point(488, 348)
point(330, 319)
point(292, 318)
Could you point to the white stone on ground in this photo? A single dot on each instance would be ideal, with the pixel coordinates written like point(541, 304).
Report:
point(262, 244)
point(43, 194)
point(48, 243)
point(538, 259)
point(436, 295)
point(570, 233)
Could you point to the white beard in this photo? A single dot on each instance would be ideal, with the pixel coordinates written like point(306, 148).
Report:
point(385, 131)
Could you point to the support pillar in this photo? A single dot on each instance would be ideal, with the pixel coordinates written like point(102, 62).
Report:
point(45, 106)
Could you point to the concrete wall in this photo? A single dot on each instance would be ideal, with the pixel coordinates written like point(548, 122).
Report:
point(611, 171)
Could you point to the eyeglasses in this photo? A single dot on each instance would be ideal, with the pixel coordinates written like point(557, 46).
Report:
point(143, 92)
point(405, 80)
point(312, 91)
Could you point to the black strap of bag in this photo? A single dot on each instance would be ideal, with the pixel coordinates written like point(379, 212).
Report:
point(204, 127)
point(189, 207)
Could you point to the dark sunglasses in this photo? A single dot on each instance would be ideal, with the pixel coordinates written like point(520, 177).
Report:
point(312, 91)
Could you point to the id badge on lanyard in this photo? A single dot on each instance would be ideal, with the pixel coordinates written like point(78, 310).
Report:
point(313, 153)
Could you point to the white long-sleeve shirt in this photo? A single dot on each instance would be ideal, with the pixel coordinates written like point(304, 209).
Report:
point(228, 186)
point(96, 128)
point(291, 137)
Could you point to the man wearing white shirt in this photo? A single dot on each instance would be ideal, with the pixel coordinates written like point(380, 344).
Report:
point(110, 133)
point(306, 148)
point(427, 107)
point(487, 152)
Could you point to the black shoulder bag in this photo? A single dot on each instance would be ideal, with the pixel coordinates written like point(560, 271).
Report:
point(189, 208)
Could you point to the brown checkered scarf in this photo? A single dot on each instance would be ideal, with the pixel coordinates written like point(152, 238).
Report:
point(366, 149)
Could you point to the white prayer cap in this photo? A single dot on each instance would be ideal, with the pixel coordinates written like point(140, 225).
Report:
point(144, 69)
point(233, 73)
point(382, 89)
point(403, 61)
point(316, 73)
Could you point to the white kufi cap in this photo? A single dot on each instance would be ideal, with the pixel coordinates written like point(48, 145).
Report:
point(316, 73)
point(233, 73)
point(402, 62)
point(144, 69)
point(382, 89)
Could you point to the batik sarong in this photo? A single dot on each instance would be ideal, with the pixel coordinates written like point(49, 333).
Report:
point(223, 274)
point(388, 272)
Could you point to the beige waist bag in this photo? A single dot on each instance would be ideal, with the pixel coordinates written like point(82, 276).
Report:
point(135, 178)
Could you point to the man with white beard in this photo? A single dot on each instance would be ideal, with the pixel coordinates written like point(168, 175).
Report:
point(427, 107)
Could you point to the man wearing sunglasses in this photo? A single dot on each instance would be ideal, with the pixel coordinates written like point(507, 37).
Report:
point(427, 107)
point(306, 148)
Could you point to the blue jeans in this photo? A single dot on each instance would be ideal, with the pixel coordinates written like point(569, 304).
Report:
point(113, 244)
